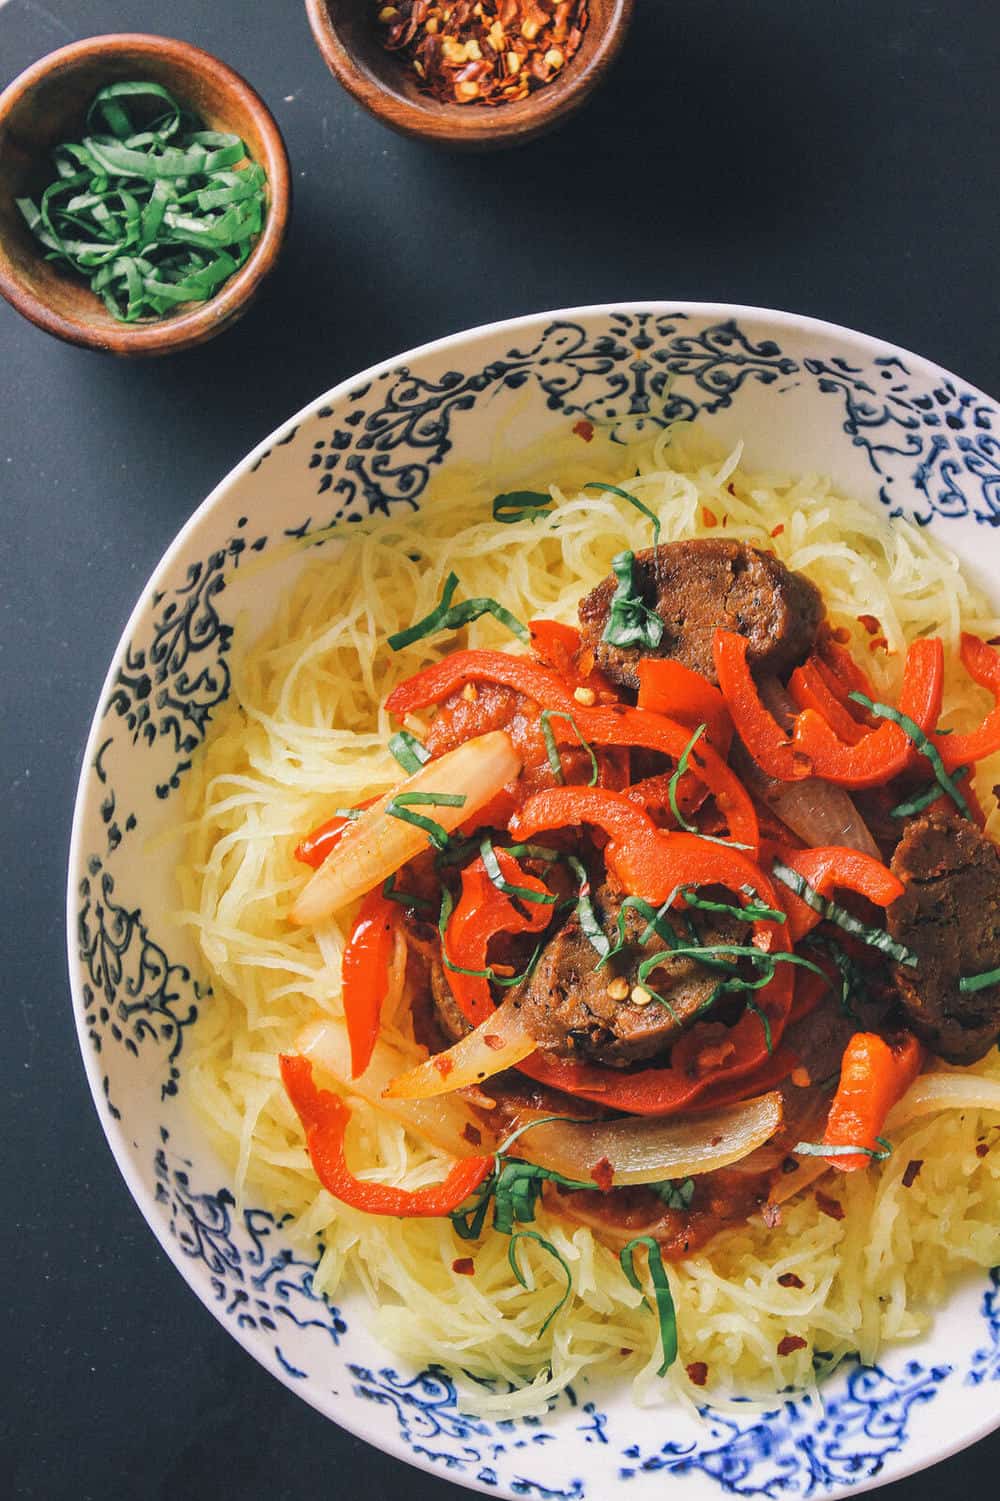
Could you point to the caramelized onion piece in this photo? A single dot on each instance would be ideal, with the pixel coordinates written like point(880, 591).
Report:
point(944, 1091)
point(496, 1044)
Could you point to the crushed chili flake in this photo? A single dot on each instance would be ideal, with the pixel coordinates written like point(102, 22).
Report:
point(790, 1279)
point(472, 1134)
point(776, 531)
point(878, 643)
point(464, 1266)
point(981, 1148)
point(493, 1041)
point(800, 1077)
point(603, 1174)
point(871, 624)
point(790, 1344)
point(697, 1372)
point(841, 635)
point(483, 51)
point(829, 1206)
point(444, 1065)
point(912, 1169)
point(709, 517)
point(584, 429)
point(771, 1215)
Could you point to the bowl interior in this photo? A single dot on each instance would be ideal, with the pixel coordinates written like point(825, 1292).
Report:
point(53, 107)
point(889, 428)
point(386, 84)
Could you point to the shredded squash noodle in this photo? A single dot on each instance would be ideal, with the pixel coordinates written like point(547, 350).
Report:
point(304, 733)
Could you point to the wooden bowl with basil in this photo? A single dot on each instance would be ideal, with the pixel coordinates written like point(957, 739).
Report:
point(157, 230)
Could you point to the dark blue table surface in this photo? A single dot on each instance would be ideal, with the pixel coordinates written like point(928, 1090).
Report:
point(838, 160)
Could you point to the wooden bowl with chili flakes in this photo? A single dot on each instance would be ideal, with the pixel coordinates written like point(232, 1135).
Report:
point(480, 88)
point(47, 104)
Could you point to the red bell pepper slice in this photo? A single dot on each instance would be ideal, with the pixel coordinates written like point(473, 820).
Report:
point(559, 647)
point(482, 911)
point(668, 687)
point(888, 750)
point(843, 675)
point(768, 743)
point(436, 682)
point(827, 868)
point(314, 848)
point(982, 663)
point(810, 689)
point(874, 1074)
point(324, 1117)
point(366, 974)
point(640, 727)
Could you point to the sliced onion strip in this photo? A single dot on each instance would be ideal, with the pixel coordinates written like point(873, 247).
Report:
point(498, 1043)
point(376, 845)
point(944, 1091)
point(649, 1149)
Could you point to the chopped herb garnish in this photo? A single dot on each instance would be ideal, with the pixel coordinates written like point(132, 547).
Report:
point(410, 752)
point(820, 1149)
point(765, 1022)
point(876, 938)
point(752, 912)
point(448, 617)
point(151, 217)
point(504, 981)
point(923, 744)
point(552, 750)
point(630, 620)
point(969, 984)
point(654, 924)
point(665, 1312)
point(496, 875)
point(546, 1245)
point(586, 916)
point(675, 1195)
point(852, 980)
point(404, 898)
point(521, 505)
point(596, 484)
point(400, 806)
point(923, 800)
point(679, 770)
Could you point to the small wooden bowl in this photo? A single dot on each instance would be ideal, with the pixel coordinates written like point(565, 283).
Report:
point(346, 32)
point(46, 105)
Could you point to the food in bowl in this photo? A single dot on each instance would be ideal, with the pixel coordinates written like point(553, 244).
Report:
point(151, 209)
point(652, 962)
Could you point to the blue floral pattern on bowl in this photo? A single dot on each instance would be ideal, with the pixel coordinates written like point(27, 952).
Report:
point(888, 426)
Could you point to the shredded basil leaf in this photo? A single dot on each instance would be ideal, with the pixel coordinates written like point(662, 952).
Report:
point(496, 875)
point(665, 1312)
point(752, 912)
point(630, 620)
point(923, 800)
point(876, 938)
point(150, 218)
point(923, 744)
point(820, 1149)
point(552, 750)
point(679, 770)
point(521, 505)
point(765, 1022)
point(852, 981)
point(596, 484)
point(506, 982)
point(546, 1245)
point(969, 984)
point(586, 916)
point(674, 1195)
point(448, 617)
point(410, 752)
point(404, 898)
point(400, 806)
point(654, 924)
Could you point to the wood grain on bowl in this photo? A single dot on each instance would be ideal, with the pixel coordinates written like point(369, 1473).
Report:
point(46, 104)
point(350, 40)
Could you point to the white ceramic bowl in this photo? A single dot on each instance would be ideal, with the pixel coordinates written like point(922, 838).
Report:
point(805, 396)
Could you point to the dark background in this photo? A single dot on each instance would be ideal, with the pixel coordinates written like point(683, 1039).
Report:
point(838, 160)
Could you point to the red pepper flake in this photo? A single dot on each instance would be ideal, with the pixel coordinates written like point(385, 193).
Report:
point(491, 52)
point(776, 531)
point(697, 1372)
point(829, 1206)
point(493, 1041)
point(800, 1077)
point(708, 517)
point(626, 1350)
point(472, 1134)
point(790, 1279)
point(603, 1174)
point(981, 1148)
point(464, 1266)
point(878, 643)
point(771, 1215)
point(841, 635)
point(584, 429)
point(790, 1344)
point(444, 1065)
point(912, 1169)
point(871, 624)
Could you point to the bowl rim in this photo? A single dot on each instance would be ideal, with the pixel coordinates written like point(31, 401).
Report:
point(171, 334)
point(457, 125)
point(115, 1136)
